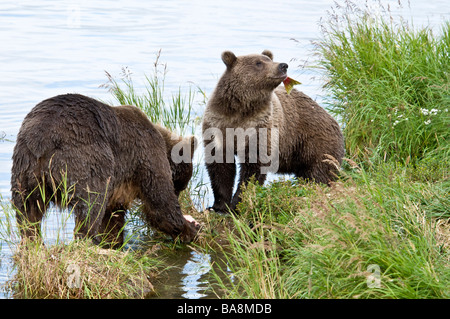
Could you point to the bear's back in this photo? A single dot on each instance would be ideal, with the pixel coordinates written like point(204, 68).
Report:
point(310, 128)
point(301, 113)
point(64, 121)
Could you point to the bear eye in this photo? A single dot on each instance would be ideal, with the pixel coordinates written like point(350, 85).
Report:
point(258, 63)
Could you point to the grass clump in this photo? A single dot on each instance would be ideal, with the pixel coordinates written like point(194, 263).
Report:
point(81, 270)
point(388, 84)
point(176, 114)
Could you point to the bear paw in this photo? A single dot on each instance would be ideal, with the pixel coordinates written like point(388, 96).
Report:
point(219, 211)
point(191, 219)
point(191, 229)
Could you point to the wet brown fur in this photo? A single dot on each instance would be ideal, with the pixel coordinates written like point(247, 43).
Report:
point(249, 95)
point(110, 155)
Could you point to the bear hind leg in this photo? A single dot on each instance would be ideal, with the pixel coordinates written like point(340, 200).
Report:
point(30, 202)
point(111, 228)
point(29, 214)
point(89, 211)
point(318, 173)
point(247, 171)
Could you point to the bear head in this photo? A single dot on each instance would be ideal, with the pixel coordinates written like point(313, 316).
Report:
point(180, 151)
point(253, 76)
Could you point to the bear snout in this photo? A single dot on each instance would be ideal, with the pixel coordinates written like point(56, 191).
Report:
point(282, 67)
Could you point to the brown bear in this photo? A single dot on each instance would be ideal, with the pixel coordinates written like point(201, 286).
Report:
point(103, 158)
point(250, 115)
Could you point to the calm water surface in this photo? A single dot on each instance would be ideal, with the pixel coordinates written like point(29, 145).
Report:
point(50, 48)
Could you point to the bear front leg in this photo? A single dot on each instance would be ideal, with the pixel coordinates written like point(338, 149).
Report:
point(161, 209)
point(222, 176)
point(169, 219)
point(247, 170)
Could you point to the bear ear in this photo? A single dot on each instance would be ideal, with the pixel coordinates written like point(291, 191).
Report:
point(268, 53)
point(228, 58)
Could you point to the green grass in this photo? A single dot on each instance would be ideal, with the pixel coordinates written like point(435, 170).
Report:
point(174, 112)
point(296, 240)
point(363, 225)
point(388, 83)
point(81, 270)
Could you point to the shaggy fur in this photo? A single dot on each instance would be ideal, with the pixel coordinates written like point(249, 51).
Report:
point(249, 95)
point(109, 155)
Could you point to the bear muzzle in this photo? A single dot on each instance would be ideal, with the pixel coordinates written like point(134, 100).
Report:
point(282, 67)
point(280, 72)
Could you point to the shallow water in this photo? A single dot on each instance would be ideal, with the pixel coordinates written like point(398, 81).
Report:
point(54, 48)
point(189, 275)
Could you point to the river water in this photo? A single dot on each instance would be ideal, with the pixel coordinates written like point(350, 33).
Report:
point(50, 48)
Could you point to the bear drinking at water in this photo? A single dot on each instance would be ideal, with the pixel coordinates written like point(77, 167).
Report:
point(250, 116)
point(107, 156)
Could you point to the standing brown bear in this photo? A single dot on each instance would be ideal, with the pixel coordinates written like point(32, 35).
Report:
point(250, 115)
point(107, 156)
